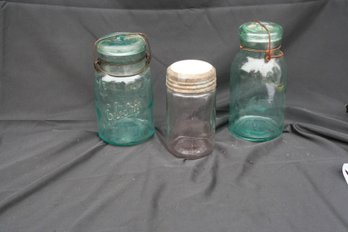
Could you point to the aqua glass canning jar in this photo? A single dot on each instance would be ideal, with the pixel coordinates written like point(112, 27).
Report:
point(258, 83)
point(123, 93)
point(190, 112)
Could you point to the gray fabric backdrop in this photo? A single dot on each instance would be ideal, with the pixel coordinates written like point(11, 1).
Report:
point(56, 174)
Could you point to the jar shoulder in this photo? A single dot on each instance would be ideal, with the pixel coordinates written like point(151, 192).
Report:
point(252, 64)
point(136, 84)
point(258, 58)
point(106, 77)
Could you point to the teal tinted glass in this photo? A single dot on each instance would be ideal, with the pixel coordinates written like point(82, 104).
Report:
point(252, 33)
point(121, 47)
point(257, 84)
point(123, 93)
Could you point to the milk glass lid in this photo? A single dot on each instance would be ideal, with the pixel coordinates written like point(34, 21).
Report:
point(253, 32)
point(122, 47)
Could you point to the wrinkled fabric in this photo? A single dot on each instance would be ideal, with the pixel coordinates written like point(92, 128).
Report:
point(57, 175)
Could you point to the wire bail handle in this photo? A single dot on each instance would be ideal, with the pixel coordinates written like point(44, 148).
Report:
point(148, 55)
point(269, 51)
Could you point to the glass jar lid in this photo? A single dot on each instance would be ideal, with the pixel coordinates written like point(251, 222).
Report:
point(191, 76)
point(254, 32)
point(122, 47)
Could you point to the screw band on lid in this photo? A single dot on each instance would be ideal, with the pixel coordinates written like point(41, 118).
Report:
point(191, 76)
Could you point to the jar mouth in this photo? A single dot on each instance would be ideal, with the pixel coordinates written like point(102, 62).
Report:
point(124, 70)
point(123, 59)
point(261, 46)
point(191, 76)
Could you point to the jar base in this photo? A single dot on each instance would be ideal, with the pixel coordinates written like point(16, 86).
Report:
point(128, 132)
point(256, 128)
point(191, 148)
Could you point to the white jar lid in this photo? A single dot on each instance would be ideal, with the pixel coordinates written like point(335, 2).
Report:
point(191, 76)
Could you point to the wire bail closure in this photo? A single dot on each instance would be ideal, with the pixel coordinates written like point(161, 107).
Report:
point(269, 52)
point(148, 54)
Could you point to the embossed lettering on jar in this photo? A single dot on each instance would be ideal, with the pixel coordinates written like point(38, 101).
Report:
point(258, 83)
point(123, 90)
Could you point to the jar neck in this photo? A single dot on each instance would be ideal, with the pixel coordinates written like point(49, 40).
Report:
point(260, 46)
point(190, 95)
point(122, 69)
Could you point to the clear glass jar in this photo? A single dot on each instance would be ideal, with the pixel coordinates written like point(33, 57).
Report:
point(190, 112)
point(258, 83)
point(123, 93)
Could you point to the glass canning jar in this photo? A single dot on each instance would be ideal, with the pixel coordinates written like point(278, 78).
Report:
point(258, 83)
point(123, 93)
point(190, 112)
